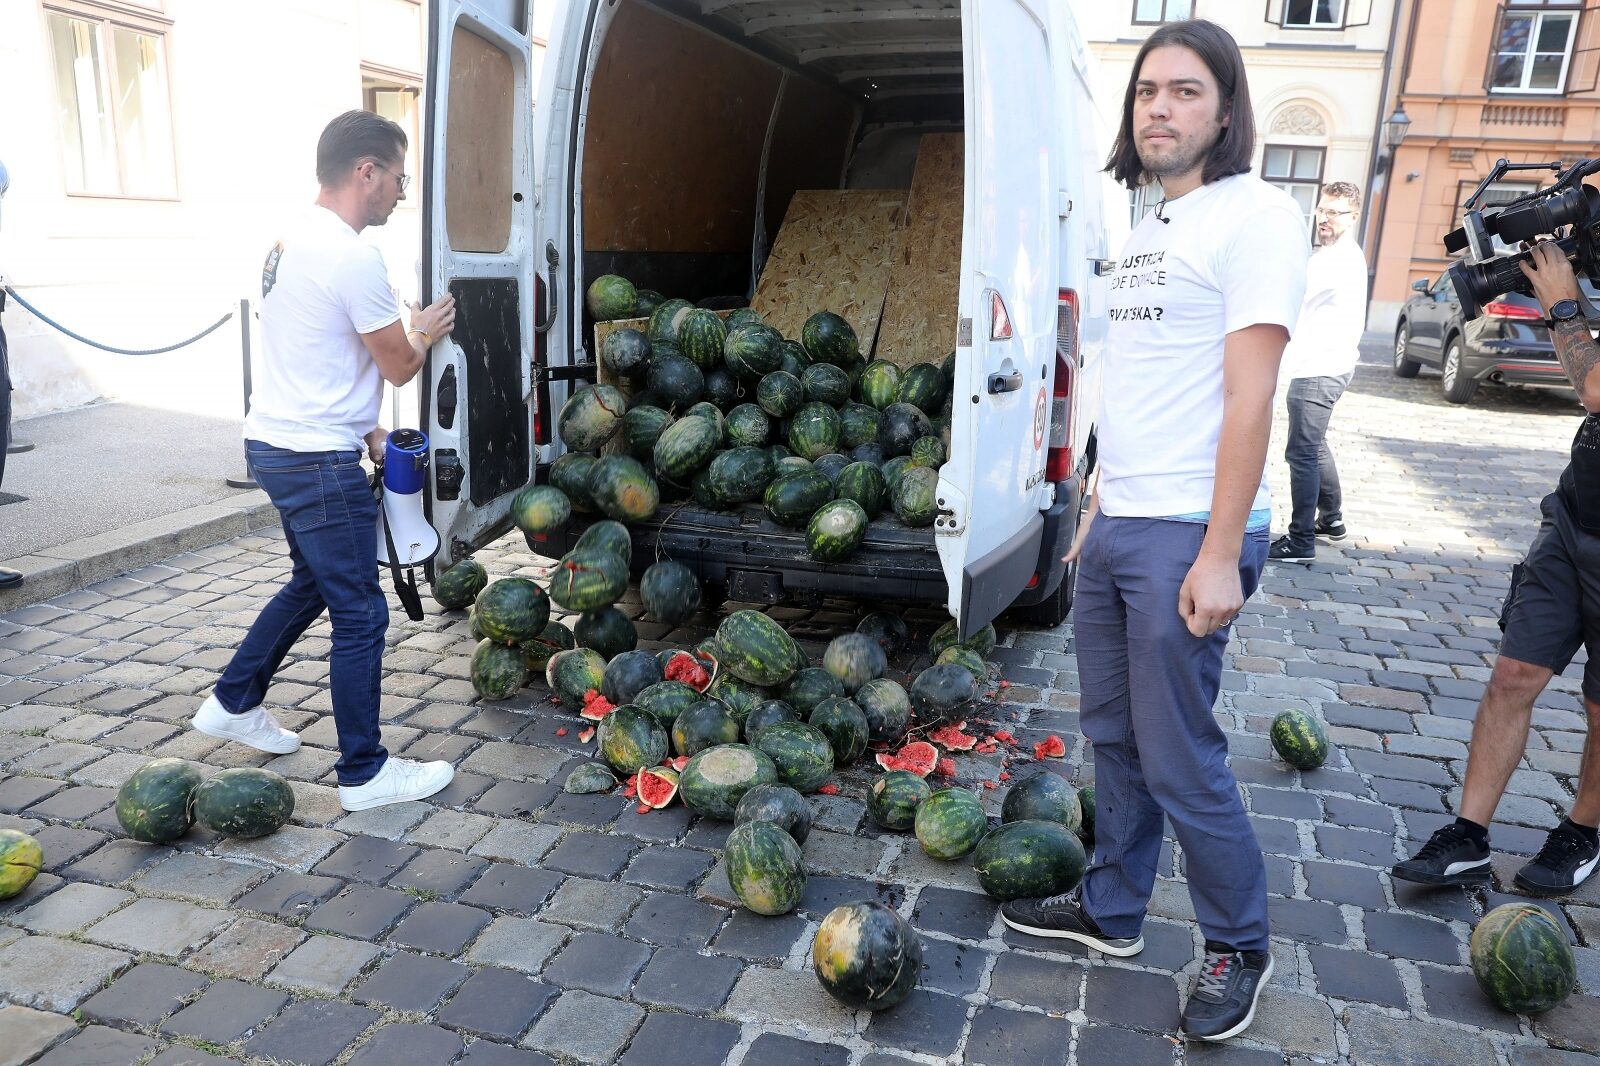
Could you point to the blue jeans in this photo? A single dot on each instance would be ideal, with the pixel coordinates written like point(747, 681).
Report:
point(1148, 688)
point(330, 522)
point(1313, 475)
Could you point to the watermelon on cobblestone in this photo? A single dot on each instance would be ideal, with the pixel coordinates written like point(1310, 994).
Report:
point(1043, 796)
point(1029, 859)
point(657, 786)
point(768, 713)
point(512, 610)
point(855, 659)
point(1299, 739)
point(801, 753)
point(608, 631)
point(740, 697)
point(497, 670)
point(950, 823)
point(893, 799)
point(967, 659)
point(810, 687)
point(778, 804)
point(588, 778)
point(536, 651)
point(942, 693)
point(629, 674)
point(845, 726)
point(631, 739)
point(1522, 959)
point(571, 674)
point(947, 636)
point(757, 649)
point(866, 956)
point(701, 725)
point(918, 757)
point(21, 858)
point(243, 801)
point(764, 868)
point(716, 779)
point(154, 805)
point(888, 710)
point(667, 700)
point(458, 586)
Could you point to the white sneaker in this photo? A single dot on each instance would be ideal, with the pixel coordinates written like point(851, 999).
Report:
point(399, 781)
point(257, 728)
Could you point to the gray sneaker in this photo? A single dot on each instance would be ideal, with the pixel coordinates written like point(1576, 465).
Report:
point(1222, 1003)
point(1064, 918)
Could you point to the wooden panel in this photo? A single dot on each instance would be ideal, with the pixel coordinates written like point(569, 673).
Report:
point(920, 312)
point(809, 143)
point(477, 168)
point(832, 254)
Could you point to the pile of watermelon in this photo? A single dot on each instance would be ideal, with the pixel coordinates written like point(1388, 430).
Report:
point(728, 412)
point(165, 798)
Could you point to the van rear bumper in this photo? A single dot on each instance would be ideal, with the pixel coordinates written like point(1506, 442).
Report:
point(1060, 526)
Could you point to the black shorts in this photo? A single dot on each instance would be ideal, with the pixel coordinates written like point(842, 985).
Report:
point(1553, 606)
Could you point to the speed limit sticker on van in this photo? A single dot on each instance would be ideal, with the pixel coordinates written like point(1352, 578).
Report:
point(1038, 420)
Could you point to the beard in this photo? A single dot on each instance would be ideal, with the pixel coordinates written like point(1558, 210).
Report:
point(1182, 157)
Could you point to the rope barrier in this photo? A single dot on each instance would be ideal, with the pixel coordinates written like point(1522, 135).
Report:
point(47, 320)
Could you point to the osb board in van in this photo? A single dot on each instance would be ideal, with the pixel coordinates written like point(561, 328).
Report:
point(832, 254)
point(602, 330)
point(919, 314)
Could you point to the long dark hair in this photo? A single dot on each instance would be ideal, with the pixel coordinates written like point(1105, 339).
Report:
point(1220, 52)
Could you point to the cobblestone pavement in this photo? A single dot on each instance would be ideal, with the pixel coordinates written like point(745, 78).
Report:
point(505, 922)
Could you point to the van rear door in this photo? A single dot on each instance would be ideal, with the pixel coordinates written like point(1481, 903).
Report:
point(478, 219)
point(993, 487)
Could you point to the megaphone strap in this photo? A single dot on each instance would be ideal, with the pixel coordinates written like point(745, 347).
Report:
point(404, 587)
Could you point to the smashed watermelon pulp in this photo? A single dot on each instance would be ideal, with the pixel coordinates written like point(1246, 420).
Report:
point(951, 738)
point(595, 706)
point(919, 757)
point(1051, 747)
point(687, 669)
point(657, 787)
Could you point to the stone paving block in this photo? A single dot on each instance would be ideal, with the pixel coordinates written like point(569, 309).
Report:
point(790, 998)
point(518, 842)
point(594, 962)
point(1356, 845)
point(753, 936)
point(1574, 1025)
point(18, 793)
point(668, 867)
point(25, 1032)
point(293, 847)
point(823, 894)
point(72, 908)
point(289, 895)
point(158, 927)
point(590, 904)
point(691, 1040)
point(1306, 920)
point(674, 921)
point(924, 1022)
point(72, 804)
point(1000, 1037)
point(967, 915)
point(1340, 883)
point(951, 967)
point(246, 949)
point(408, 1045)
point(56, 975)
point(451, 829)
point(367, 859)
point(515, 799)
point(513, 888)
point(1454, 995)
point(1110, 1044)
point(97, 1045)
point(439, 873)
point(1379, 1040)
point(1408, 936)
point(144, 996)
point(388, 823)
point(116, 862)
point(771, 1049)
point(408, 983)
point(360, 911)
point(1356, 975)
point(442, 928)
point(585, 1027)
point(323, 965)
point(591, 855)
point(1299, 1024)
point(525, 944)
point(313, 1032)
point(1131, 998)
point(686, 980)
point(497, 1003)
point(488, 1053)
point(199, 877)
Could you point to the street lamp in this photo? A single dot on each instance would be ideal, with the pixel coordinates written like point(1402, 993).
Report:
point(1395, 127)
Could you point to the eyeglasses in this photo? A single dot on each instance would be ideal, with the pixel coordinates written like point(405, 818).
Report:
point(1322, 212)
point(403, 179)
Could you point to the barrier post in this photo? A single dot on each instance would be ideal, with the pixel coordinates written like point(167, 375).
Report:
point(244, 481)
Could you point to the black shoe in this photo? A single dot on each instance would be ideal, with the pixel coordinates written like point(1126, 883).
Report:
point(1566, 861)
point(1334, 533)
point(1282, 551)
point(1064, 918)
point(10, 579)
point(1222, 1002)
point(1452, 856)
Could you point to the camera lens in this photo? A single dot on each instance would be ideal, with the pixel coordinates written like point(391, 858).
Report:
point(1545, 215)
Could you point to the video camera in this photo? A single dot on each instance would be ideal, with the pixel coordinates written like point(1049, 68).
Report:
point(1480, 277)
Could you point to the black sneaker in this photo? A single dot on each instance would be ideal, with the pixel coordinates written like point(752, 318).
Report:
point(1282, 551)
point(1452, 856)
point(1064, 918)
point(1334, 533)
point(1566, 861)
point(1222, 1002)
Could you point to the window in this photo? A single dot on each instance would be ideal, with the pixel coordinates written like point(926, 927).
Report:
point(1314, 14)
point(1533, 50)
point(1297, 170)
point(1142, 200)
point(114, 115)
point(395, 96)
point(1152, 11)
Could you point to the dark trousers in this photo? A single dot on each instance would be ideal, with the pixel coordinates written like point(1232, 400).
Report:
point(5, 400)
point(1313, 475)
point(1148, 688)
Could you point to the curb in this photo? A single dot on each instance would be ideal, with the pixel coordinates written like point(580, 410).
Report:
point(55, 571)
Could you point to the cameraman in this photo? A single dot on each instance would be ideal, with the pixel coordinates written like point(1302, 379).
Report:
point(1551, 609)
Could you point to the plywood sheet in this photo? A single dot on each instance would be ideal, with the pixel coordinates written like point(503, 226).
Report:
point(477, 182)
point(920, 311)
point(833, 253)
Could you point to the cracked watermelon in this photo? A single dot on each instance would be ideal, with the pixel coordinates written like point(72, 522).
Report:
point(21, 858)
point(716, 779)
point(498, 670)
point(950, 823)
point(866, 956)
point(591, 417)
point(632, 739)
point(511, 610)
point(1522, 960)
point(588, 579)
point(801, 753)
point(588, 778)
point(778, 804)
point(657, 786)
point(571, 674)
point(536, 651)
point(154, 804)
point(243, 802)
point(764, 868)
point(918, 757)
point(458, 586)
point(1029, 859)
point(893, 799)
point(757, 649)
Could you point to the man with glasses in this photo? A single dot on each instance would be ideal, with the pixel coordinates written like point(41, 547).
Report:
point(331, 336)
point(1319, 361)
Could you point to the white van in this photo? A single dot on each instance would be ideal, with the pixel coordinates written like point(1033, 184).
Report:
point(668, 141)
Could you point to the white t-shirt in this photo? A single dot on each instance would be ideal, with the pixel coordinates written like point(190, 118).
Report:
point(1231, 254)
point(1327, 341)
point(316, 388)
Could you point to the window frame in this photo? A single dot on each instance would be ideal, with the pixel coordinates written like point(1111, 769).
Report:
point(1284, 183)
point(1342, 23)
point(1536, 10)
point(147, 18)
point(1165, 18)
point(395, 80)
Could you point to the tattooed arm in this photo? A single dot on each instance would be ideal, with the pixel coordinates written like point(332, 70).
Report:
point(1554, 281)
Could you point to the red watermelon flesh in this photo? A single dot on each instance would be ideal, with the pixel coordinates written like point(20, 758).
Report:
point(1051, 747)
point(657, 787)
point(951, 738)
point(685, 668)
point(918, 757)
point(595, 706)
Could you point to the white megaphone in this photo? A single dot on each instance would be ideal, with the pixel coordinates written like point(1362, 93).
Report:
point(405, 539)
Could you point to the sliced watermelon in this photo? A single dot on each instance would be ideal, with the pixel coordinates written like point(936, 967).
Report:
point(951, 738)
point(1051, 747)
point(686, 668)
point(595, 706)
point(919, 757)
point(657, 786)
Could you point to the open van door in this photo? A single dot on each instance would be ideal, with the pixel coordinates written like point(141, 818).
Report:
point(993, 488)
point(477, 403)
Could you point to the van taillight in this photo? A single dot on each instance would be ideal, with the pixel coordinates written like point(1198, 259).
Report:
point(1058, 464)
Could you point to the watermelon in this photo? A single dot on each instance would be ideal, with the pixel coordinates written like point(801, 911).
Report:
point(498, 670)
point(1086, 803)
point(830, 466)
point(855, 659)
point(1299, 739)
point(866, 956)
point(646, 301)
point(928, 452)
point(948, 636)
point(810, 687)
point(705, 495)
point(878, 383)
point(243, 802)
point(948, 368)
point(950, 823)
point(686, 446)
point(792, 498)
point(793, 464)
point(540, 509)
point(893, 799)
point(915, 498)
point(740, 475)
point(827, 338)
point(723, 390)
point(918, 757)
point(591, 417)
point(709, 410)
point(780, 394)
point(863, 483)
point(607, 536)
point(570, 474)
point(1522, 960)
point(1029, 859)
point(836, 531)
point(626, 352)
point(21, 859)
point(458, 586)
point(845, 726)
point(675, 379)
point(825, 383)
point(700, 337)
point(921, 386)
point(942, 693)
point(590, 777)
point(814, 431)
point(801, 753)
point(716, 779)
point(610, 297)
point(742, 316)
point(536, 651)
point(588, 579)
point(764, 868)
point(756, 649)
point(1043, 796)
point(570, 674)
point(703, 725)
point(631, 739)
point(889, 630)
point(629, 674)
point(511, 610)
point(888, 710)
point(666, 700)
point(753, 350)
point(656, 786)
point(902, 425)
point(967, 659)
point(858, 426)
point(871, 452)
point(795, 359)
point(670, 592)
point(893, 469)
point(623, 489)
point(766, 714)
point(642, 426)
point(740, 697)
point(778, 804)
point(746, 426)
point(663, 325)
point(154, 803)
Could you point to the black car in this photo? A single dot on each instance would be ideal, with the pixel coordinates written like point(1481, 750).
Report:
point(1508, 344)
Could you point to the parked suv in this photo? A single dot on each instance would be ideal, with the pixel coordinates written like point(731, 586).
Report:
point(1508, 344)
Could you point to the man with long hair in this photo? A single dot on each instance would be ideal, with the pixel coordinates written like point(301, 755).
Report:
point(1201, 304)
